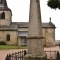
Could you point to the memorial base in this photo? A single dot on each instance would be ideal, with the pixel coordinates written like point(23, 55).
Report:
point(34, 57)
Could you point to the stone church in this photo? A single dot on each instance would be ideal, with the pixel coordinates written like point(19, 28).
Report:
point(15, 33)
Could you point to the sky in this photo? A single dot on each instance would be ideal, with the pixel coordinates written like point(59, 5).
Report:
point(20, 13)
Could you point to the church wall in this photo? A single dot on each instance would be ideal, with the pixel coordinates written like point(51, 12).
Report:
point(44, 35)
point(19, 41)
point(50, 37)
point(7, 19)
point(48, 34)
point(13, 37)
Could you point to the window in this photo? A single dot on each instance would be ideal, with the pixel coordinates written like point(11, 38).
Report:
point(8, 37)
point(3, 15)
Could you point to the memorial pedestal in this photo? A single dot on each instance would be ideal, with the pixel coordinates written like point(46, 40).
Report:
point(34, 57)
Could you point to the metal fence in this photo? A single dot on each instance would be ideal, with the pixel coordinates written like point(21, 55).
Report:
point(16, 56)
point(20, 55)
point(51, 54)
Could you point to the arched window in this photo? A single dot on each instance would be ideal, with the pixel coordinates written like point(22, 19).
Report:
point(8, 37)
point(3, 15)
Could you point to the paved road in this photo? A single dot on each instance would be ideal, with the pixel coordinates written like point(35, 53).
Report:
point(3, 53)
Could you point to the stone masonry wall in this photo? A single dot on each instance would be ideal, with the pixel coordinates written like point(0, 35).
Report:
point(13, 37)
point(50, 37)
point(7, 20)
point(48, 34)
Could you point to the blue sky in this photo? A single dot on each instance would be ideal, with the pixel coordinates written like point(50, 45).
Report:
point(20, 11)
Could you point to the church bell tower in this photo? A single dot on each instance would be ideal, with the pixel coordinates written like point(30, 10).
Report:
point(5, 14)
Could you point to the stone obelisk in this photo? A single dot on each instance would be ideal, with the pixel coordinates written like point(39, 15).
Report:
point(35, 37)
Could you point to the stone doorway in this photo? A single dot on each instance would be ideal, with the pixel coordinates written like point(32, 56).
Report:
point(22, 41)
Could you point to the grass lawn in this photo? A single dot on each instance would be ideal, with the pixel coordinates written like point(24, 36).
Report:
point(12, 47)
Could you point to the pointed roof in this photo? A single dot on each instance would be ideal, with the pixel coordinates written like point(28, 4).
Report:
point(3, 3)
point(4, 6)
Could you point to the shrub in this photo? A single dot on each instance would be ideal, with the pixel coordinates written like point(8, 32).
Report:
point(2, 43)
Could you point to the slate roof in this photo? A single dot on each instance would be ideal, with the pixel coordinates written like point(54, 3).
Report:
point(12, 27)
point(26, 24)
point(3, 3)
point(4, 6)
point(15, 25)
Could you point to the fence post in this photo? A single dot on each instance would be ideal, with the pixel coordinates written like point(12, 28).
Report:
point(17, 55)
point(20, 55)
point(50, 55)
point(58, 56)
point(12, 56)
point(25, 52)
point(8, 57)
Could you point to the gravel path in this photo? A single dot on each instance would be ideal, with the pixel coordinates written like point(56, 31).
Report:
point(3, 53)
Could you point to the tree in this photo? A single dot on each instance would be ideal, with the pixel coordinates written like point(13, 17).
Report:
point(54, 4)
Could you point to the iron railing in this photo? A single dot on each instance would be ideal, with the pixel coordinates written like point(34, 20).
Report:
point(20, 55)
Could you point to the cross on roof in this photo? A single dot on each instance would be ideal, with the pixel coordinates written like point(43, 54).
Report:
point(50, 19)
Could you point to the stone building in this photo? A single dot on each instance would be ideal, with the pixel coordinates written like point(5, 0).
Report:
point(48, 33)
point(15, 33)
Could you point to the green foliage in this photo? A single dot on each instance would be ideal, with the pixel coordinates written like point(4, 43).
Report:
point(59, 5)
point(2, 43)
point(53, 4)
